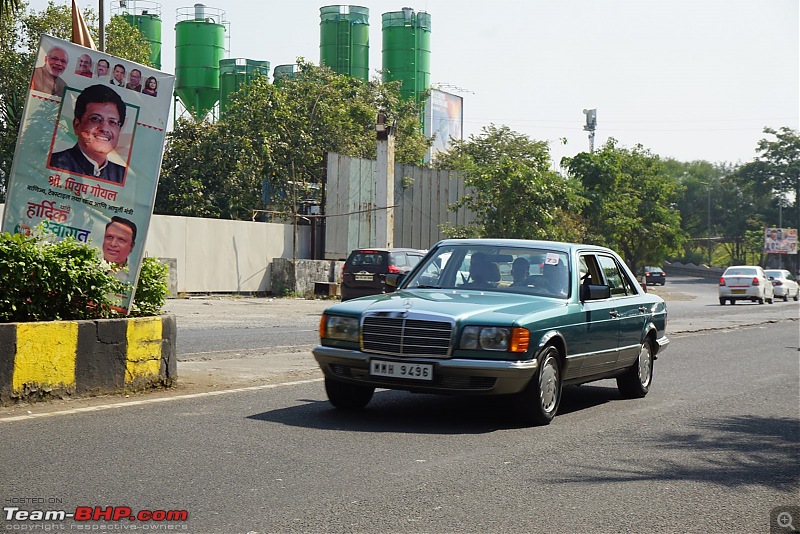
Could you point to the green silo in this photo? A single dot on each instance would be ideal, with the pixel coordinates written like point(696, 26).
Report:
point(283, 72)
point(146, 16)
point(234, 73)
point(407, 51)
point(199, 47)
point(344, 40)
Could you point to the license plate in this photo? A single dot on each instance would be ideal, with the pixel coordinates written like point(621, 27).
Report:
point(738, 291)
point(414, 371)
point(364, 277)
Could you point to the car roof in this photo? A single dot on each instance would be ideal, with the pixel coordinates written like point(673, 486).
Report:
point(555, 245)
point(384, 249)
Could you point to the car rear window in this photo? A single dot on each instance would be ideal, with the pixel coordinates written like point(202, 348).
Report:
point(740, 272)
point(371, 258)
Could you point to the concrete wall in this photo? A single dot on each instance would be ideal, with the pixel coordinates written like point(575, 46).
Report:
point(215, 255)
point(61, 358)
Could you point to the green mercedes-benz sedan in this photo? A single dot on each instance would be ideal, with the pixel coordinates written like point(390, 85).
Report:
point(497, 317)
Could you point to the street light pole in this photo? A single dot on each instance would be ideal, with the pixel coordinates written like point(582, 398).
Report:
point(709, 223)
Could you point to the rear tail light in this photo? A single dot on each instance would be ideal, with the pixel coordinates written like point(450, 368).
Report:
point(777, 283)
point(756, 281)
point(393, 269)
point(721, 281)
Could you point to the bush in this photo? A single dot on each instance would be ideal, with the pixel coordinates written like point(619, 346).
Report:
point(44, 280)
point(152, 289)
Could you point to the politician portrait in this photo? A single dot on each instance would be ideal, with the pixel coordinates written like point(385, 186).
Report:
point(47, 78)
point(97, 122)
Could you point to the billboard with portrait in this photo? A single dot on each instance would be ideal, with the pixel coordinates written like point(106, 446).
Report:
point(780, 240)
point(88, 154)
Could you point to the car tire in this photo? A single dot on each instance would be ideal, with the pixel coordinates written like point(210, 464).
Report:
point(760, 300)
point(797, 295)
point(732, 301)
point(722, 302)
point(786, 297)
point(770, 300)
point(539, 401)
point(635, 383)
point(348, 396)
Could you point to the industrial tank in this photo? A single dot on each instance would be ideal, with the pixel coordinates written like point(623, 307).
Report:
point(344, 40)
point(146, 16)
point(406, 51)
point(234, 73)
point(199, 47)
point(283, 72)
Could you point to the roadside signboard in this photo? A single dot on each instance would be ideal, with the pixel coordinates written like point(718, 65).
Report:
point(89, 150)
point(780, 240)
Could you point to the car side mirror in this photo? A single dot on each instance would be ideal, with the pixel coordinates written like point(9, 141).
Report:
point(593, 292)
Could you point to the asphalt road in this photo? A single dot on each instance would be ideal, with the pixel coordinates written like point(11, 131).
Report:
point(712, 448)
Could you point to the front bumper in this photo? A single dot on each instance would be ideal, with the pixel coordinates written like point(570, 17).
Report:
point(450, 376)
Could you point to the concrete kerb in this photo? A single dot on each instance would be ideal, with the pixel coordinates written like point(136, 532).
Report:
point(57, 359)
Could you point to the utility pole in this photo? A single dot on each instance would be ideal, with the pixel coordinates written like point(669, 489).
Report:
point(384, 190)
point(591, 126)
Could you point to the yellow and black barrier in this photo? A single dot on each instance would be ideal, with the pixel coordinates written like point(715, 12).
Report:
point(62, 358)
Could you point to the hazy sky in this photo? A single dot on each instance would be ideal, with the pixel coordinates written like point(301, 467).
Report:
point(688, 79)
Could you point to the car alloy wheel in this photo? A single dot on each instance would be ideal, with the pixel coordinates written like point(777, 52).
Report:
point(635, 383)
point(538, 402)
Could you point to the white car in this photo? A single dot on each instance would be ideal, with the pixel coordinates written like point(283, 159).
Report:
point(784, 284)
point(745, 282)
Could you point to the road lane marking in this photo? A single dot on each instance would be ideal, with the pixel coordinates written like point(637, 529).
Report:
point(142, 402)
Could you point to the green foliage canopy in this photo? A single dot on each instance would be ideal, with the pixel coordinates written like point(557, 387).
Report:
point(512, 188)
point(631, 202)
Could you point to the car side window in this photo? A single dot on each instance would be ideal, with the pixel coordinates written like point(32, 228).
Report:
point(615, 277)
point(589, 270)
point(400, 259)
point(413, 260)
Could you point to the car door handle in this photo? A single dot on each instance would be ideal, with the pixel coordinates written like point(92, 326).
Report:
point(613, 313)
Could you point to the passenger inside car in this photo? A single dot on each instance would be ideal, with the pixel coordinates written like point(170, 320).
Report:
point(482, 272)
point(555, 279)
point(520, 272)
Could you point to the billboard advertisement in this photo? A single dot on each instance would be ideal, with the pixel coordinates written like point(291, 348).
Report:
point(444, 119)
point(89, 150)
point(780, 240)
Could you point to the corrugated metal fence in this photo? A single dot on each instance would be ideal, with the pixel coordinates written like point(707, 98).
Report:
point(422, 198)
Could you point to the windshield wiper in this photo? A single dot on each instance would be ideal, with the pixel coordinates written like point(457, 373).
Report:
point(427, 287)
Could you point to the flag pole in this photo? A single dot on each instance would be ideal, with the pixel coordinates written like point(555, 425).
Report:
point(102, 29)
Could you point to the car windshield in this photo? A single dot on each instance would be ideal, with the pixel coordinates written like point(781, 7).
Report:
point(528, 270)
point(774, 274)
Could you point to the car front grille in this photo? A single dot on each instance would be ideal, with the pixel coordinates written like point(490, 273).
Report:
point(400, 334)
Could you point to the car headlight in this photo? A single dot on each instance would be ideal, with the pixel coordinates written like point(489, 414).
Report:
point(495, 338)
point(336, 327)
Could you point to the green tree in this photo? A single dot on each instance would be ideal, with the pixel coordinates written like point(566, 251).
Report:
point(274, 139)
point(20, 36)
point(513, 190)
point(630, 202)
point(767, 190)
